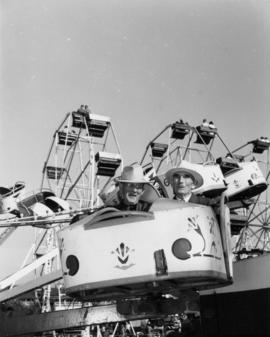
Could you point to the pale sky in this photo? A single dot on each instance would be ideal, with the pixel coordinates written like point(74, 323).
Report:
point(143, 63)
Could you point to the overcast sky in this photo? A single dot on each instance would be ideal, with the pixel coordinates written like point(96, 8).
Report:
point(143, 63)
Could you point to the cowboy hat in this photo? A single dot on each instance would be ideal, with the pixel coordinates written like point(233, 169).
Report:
point(196, 177)
point(132, 174)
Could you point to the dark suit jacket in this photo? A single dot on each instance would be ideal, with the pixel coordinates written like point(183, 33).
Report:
point(140, 206)
point(196, 199)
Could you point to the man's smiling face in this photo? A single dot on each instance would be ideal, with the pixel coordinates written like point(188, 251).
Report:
point(131, 192)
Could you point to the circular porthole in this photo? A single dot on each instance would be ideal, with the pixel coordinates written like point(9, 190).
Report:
point(181, 247)
point(72, 264)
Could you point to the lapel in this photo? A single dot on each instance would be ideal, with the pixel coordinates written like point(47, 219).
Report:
point(194, 198)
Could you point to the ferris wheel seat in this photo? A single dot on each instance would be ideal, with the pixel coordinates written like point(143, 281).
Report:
point(205, 134)
point(57, 204)
point(79, 119)
point(107, 163)
point(248, 192)
point(9, 205)
point(43, 202)
point(246, 182)
point(4, 191)
point(41, 209)
point(65, 138)
point(228, 165)
point(54, 172)
point(97, 125)
point(125, 254)
point(13, 190)
point(214, 183)
point(38, 196)
point(260, 145)
point(179, 130)
point(158, 149)
point(96, 130)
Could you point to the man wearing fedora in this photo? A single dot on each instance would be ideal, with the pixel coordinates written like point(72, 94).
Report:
point(183, 182)
point(131, 185)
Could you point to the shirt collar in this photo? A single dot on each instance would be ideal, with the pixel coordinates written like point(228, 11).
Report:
point(185, 198)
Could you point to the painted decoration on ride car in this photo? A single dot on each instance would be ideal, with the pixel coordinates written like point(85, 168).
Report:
point(123, 254)
point(182, 248)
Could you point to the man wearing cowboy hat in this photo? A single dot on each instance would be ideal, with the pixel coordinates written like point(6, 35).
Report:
point(183, 182)
point(131, 187)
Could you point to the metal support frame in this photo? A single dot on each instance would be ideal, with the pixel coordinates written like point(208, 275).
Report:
point(70, 319)
point(182, 148)
point(31, 285)
point(29, 268)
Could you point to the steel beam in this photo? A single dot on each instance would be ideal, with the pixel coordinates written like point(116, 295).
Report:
point(29, 268)
point(65, 319)
point(31, 285)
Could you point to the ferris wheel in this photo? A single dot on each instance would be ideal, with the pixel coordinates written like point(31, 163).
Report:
point(252, 237)
point(243, 175)
point(83, 156)
point(180, 142)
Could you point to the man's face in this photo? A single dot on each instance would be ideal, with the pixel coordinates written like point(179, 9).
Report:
point(182, 184)
point(131, 192)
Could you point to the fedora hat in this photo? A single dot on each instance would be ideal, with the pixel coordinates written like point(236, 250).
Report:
point(132, 174)
point(196, 177)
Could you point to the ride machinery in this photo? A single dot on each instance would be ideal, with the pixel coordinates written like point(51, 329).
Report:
point(128, 265)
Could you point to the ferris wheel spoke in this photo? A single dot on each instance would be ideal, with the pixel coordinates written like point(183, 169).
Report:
point(260, 220)
point(239, 241)
point(254, 233)
point(266, 214)
point(264, 210)
point(266, 240)
point(258, 215)
point(267, 218)
point(259, 238)
point(252, 209)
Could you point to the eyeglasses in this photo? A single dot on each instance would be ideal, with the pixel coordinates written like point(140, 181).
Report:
point(134, 185)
